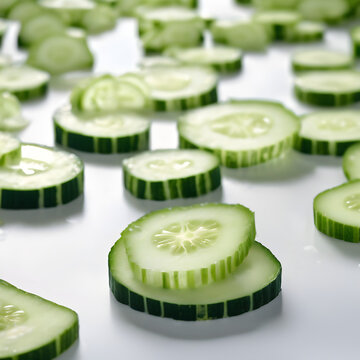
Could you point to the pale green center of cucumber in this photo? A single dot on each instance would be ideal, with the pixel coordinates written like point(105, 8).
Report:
point(180, 238)
point(336, 124)
point(352, 202)
point(11, 316)
point(29, 167)
point(168, 81)
point(242, 125)
point(109, 122)
point(166, 165)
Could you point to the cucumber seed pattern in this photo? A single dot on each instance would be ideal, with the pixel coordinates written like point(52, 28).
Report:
point(164, 165)
point(10, 316)
point(353, 202)
point(28, 167)
point(168, 81)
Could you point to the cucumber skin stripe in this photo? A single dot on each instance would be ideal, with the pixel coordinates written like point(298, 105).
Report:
point(29, 94)
point(318, 147)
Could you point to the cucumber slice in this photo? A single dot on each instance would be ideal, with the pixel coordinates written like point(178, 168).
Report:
point(253, 284)
point(9, 149)
point(351, 162)
point(337, 212)
point(171, 174)
point(59, 54)
point(281, 23)
point(43, 177)
point(246, 35)
point(220, 58)
point(307, 31)
point(120, 132)
point(321, 59)
point(32, 327)
point(180, 88)
point(101, 18)
point(188, 247)
point(10, 113)
point(240, 133)
point(328, 88)
point(330, 11)
point(328, 132)
point(23, 10)
point(24, 82)
point(355, 36)
point(158, 61)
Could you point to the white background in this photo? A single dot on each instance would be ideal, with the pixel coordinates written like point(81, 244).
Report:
point(61, 253)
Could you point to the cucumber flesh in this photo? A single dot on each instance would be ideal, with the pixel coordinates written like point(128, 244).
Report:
point(254, 283)
point(10, 113)
point(32, 327)
point(23, 10)
point(9, 149)
point(100, 19)
point(337, 212)
point(351, 162)
point(188, 247)
point(240, 133)
point(158, 61)
point(170, 174)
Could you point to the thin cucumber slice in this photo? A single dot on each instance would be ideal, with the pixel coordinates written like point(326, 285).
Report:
point(59, 54)
point(43, 177)
point(10, 113)
point(355, 36)
point(220, 58)
point(337, 212)
point(330, 11)
point(171, 174)
point(24, 82)
point(328, 88)
point(188, 247)
point(158, 61)
point(351, 162)
point(23, 10)
point(32, 327)
point(180, 88)
point(321, 59)
point(328, 132)
point(119, 132)
point(9, 149)
point(253, 284)
point(101, 18)
point(246, 35)
point(280, 22)
point(240, 133)
point(307, 31)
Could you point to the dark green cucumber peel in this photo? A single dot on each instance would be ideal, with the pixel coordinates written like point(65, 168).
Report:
point(321, 147)
point(30, 94)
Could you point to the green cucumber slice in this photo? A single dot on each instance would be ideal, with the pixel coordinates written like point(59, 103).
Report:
point(328, 132)
point(9, 149)
point(351, 162)
point(240, 133)
point(10, 113)
point(59, 54)
point(171, 174)
point(32, 327)
point(23, 10)
point(158, 61)
point(101, 18)
point(307, 31)
point(281, 23)
point(246, 35)
point(43, 177)
point(119, 132)
point(355, 37)
point(181, 87)
point(255, 282)
point(330, 11)
point(321, 59)
point(337, 212)
point(188, 247)
point(220, 58)
point(24, 82)
point(328, 88)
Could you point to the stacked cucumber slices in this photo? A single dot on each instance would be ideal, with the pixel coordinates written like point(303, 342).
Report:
point(204, 264)
point(32, 327)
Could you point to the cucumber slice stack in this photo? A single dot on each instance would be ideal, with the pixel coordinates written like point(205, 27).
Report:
point(204, 264)
point(181, 87)
point(10, 113)
point(351, 162)
point(337, 212)
point(118, 132)
point(240, 133)
point(42, 177)
point(328, 132)
point(32, 327)
point(328, 88)
point(171, 174)
point(9, 149)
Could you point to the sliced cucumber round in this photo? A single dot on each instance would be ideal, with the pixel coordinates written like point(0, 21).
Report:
point(355, 36)
point(351, 162)
point(24, 82)
point(328, 88)
point(253, 284)
point(240, 133)
point(32, 327)
point(188, 247)
point(59, 54)
point(337, 212)
point(101, 18)
point(180, 88)
point(307, 31)
point(220, 58)
point(321, 59)
point(9, 149)
point(23, 10)
point(171, 174)
point(43, 177)
point(330, 11)
point(118, 132)
point(328, 132)
point(10, 113)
